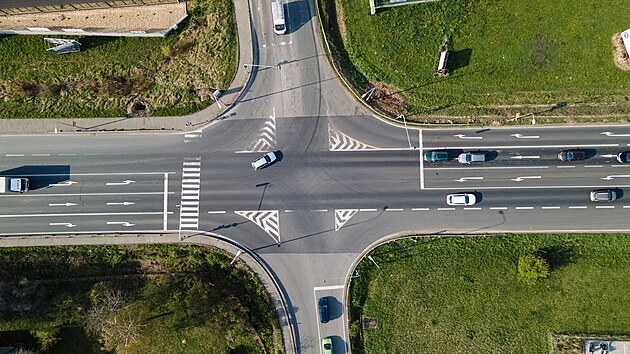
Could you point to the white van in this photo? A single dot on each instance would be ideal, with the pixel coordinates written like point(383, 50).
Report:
point(279, 23)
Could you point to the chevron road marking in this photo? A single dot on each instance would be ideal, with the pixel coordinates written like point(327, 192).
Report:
point(342, 216)
point(339, 141)
point(267, 220)
point(266, 138)
point(189, 202)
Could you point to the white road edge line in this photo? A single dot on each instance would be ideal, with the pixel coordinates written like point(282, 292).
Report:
point(331, 287)
point(420, 142)
point(165, 201)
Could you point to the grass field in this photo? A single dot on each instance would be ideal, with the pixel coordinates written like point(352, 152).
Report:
point(175, 75)
point(176, 299)
point(458, 295)
point(516, 53)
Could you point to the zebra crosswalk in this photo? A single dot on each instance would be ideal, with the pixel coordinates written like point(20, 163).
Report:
point(189, 203)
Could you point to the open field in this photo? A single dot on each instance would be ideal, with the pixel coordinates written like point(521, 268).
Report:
point(462, 295)
point(553, 58)
point(174, 75)
point(134, 299)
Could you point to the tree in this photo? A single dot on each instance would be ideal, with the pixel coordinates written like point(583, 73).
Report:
point(531, 268)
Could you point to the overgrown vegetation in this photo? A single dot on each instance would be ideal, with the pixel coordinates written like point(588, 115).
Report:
point(464, 295)
point(175, 75)
point(551, 58)
point(133, 299)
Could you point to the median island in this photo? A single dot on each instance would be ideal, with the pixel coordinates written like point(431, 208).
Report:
point(495, 294)
point(133, 299)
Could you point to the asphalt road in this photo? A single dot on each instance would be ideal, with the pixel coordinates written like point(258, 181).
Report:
point(343, 181)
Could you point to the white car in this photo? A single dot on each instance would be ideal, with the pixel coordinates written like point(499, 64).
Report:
point(470, 157)
point(264, 161)
point(461, 199)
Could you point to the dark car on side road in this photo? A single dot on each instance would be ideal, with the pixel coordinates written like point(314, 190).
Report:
point(322, 307)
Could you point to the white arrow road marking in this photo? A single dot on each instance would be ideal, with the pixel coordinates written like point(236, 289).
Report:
point(120, 183)
point(521, 136)
point(123, 203)
point(608, 155)
point(123, 223)
point(62, 184)
point(611, 134)
point(519, 179)
point(462, 136)
point(525, 157)
point(66, 224)
point(61, 204)
point(608, 178)
point(464, 179)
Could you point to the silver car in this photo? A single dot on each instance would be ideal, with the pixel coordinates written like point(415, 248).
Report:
point(461, 199)
point(470, 157)
point(603, 195)
point(264, 161)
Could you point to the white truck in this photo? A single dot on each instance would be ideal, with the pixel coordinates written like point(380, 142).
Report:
point(13, 184)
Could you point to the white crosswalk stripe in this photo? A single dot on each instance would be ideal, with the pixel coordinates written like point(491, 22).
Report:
point(339, 141)
point(189, 203)
point(265, 219)
point(193, 136)
point(342, 216)
point(266, 138)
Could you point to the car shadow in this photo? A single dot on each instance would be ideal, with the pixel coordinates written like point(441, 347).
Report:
point(40, 176)
point(491, 155)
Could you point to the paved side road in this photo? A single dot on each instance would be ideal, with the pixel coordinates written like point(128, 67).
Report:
point(154, 124)
point(266, 276)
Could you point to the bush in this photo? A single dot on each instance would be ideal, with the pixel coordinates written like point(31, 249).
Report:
point(531, 268)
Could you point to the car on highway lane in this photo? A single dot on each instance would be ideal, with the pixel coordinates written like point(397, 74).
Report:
point(322, 308)
point(327, 345)
point(623, 157)
point(436, 155)
point(603, 195)
point(470, 157)
point(571, 155)
point(264, 161)
point(461, 199)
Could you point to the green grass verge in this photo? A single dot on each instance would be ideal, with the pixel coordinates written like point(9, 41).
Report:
point(185, 299)
point(515, 52)
point(173, 74)
point(458, 295)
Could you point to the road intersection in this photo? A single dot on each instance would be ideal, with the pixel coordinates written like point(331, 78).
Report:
point(344, 180)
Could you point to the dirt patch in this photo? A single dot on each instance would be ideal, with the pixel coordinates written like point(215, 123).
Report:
point(139, 109)
point(389, 99)
point(620, 54)
point(341, 23)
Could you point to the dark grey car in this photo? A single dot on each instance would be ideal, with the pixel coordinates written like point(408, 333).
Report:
point(571, 155)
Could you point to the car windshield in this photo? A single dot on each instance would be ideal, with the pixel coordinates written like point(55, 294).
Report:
point(327, 346)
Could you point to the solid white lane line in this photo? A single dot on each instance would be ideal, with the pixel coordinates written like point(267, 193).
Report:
point(320, 209)
point(419, 209)
point(524, 208)
point(605, 207)
point(499, 147)
point(620, 166)
point(331, 287)
point(445, 209)
point(40, 155)
point(79, 214)
point(368, 209)
point(14, 155)
point(498, 208)
point(519, 187)
point(551, 207)
point(587, 166)
point(393, 209)
point(626, 206)
point(472, 208)
point(165, 202)
point(488, 168)
point(421, 159)
point(67, 154)
point(578, 207)
point(565, 166)
point(217, 212)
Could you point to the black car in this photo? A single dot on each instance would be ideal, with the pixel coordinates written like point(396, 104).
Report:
point(436, 155)
point(623, 157)
point(322, 306)
point(572, 155)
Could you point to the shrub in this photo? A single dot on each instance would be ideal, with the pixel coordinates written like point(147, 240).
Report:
point(531, 268)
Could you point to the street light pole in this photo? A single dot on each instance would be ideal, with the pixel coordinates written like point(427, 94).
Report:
point(373, 261)
point(262, 66)
point(406, 129)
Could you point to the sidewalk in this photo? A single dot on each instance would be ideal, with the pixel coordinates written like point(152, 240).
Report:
point(153, 124)
point(258, 266)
